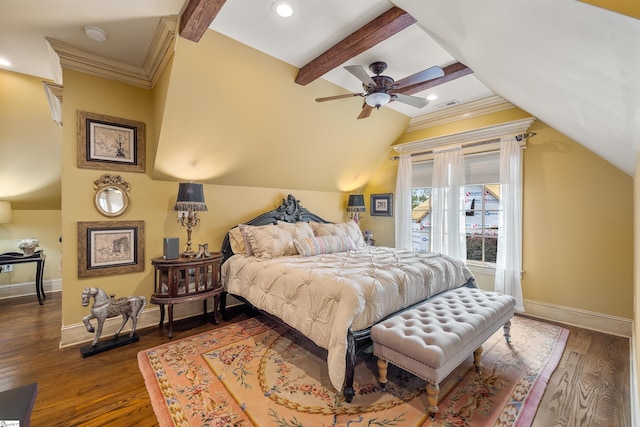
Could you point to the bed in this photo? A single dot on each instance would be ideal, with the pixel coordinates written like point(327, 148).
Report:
point(321, 279)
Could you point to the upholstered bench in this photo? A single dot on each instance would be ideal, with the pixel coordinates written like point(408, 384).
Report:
point(433, 338)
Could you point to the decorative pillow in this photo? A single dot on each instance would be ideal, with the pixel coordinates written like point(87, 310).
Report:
point(239, 241)
point(247, 246)
point(270, 241)
point(236, 240)
point(348, 228)
point(323, 245)
point(298, 230)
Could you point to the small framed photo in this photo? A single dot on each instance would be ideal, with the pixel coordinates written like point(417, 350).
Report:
point(382, 204)
point(106, 248)
point(112, 143)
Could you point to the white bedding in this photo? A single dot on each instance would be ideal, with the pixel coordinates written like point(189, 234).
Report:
point(323, 296)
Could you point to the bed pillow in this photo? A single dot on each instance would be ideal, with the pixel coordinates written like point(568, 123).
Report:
point(298, 230)
point(270, 241)
point(348, 228)
point(239, 240)
point(323, 245)
point(236, 240)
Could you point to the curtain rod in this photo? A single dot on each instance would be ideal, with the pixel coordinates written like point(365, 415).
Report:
point(518, 138)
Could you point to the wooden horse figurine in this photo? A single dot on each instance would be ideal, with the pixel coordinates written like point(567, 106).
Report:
point(108, 306)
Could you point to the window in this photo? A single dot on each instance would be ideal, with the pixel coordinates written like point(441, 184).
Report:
point(481, 214)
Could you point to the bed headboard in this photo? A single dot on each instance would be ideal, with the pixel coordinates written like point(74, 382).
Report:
point(289, 211)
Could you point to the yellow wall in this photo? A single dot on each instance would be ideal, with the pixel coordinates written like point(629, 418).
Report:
point(151, 201)
point(578, 213)
point(578, 222)
point(44, 226)
point(29, 145)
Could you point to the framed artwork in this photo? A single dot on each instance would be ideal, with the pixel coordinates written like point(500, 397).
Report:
point(110, 143)
point(106, 248)
point(382, 204)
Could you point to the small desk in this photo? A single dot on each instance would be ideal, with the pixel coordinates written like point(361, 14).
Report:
point(19, 258)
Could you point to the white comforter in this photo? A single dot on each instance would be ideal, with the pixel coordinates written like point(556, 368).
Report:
point(323, 296)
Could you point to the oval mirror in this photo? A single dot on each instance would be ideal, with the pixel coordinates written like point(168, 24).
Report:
point(112, 195)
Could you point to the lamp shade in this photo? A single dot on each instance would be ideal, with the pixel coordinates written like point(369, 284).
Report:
point(5, 212)
point(356, 203)
point(377, 99)
point(190, 197)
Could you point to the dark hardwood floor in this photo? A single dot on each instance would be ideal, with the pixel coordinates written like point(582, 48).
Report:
point(590, 387)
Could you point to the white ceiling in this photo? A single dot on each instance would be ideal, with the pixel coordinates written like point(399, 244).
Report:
point(570, 64)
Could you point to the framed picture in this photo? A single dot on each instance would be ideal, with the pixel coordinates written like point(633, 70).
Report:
point(382, 204)
point(110, 143)
point(106, 248)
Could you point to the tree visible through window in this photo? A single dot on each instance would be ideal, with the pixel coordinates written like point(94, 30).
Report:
point(481, 214)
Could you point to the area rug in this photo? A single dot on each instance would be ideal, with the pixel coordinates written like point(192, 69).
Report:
point(257, 372)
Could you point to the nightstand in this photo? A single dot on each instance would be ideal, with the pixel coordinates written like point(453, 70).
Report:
point(184, 280)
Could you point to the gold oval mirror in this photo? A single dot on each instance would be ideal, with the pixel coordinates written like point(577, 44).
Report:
point(112, 195)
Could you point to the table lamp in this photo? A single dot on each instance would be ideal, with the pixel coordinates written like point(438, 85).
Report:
point(190, 201)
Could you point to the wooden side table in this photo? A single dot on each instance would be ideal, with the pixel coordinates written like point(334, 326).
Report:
point(18, 258)
point(184, 280)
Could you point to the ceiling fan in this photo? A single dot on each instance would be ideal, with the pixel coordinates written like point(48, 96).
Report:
point(379, 90)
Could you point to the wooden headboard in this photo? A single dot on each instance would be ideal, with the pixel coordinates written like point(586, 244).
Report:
point(289, 211)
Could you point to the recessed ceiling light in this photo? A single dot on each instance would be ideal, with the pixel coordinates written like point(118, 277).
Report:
point(95, 33)
point(5, 63)
point(282, 8)
point(432, 97)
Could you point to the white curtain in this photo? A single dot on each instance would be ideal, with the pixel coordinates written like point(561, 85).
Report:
point(509, 257)
point(447, 202)
point(403, 204)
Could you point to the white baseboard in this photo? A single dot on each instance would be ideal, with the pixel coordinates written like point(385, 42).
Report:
point(150, 317)
point(29, 288)
point(582, 318)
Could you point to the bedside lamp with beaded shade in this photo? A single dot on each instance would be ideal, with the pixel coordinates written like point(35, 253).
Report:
point(190, 201)
point(355, 206)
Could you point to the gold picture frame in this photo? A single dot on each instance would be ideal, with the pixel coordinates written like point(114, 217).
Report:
point(110, 247)
point(110, 143)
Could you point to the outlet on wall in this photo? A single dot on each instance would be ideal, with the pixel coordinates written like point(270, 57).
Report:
point(7, 268)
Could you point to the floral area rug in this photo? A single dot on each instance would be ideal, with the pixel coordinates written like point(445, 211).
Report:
point(256, 372)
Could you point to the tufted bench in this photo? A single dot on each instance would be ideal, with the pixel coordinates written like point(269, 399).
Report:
point(433, 338)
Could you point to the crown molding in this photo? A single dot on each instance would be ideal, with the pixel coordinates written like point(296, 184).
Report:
point(95, 64)
point(54, 98)
point(480, 107)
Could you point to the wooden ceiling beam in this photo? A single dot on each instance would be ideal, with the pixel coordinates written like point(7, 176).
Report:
point(197, 17)
point(451, 72)
point(381, 28)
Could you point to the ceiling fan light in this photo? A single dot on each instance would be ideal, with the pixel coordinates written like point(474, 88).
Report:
point(377, 99)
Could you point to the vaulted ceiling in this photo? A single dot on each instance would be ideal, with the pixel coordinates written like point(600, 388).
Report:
point(571, 64)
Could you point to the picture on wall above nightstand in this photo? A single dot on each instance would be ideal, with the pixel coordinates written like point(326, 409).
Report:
point(382, 204)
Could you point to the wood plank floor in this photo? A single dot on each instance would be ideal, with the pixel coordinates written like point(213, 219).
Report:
point(590, 387)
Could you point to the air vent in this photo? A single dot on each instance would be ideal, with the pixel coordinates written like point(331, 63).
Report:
point(448, 104)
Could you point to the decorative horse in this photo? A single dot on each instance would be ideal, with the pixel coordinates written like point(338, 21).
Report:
point(108, 306)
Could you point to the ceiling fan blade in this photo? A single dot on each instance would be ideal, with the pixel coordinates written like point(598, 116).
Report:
point(410, 100)
point(331, 98)
point(361, 74)
point(366, 111)
point(421, 76)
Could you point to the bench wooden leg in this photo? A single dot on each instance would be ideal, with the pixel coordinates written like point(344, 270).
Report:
point(507, 331)
point(382, 373)
point(477, 358)
point(433, 390)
